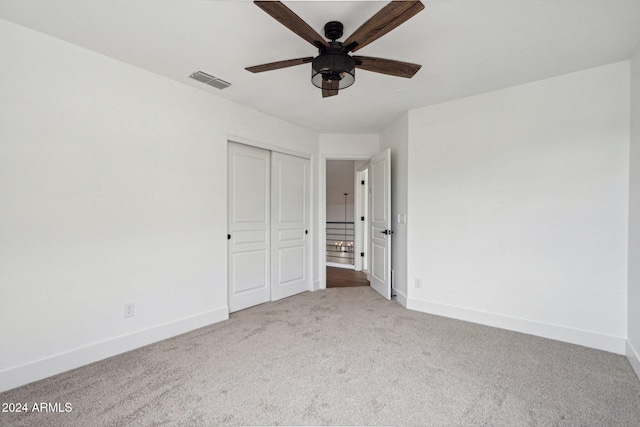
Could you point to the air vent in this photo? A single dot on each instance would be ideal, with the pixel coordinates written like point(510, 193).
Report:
point(210, 80)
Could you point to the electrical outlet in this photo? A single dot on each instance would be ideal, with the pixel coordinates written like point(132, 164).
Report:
point(128, 310)
point(418, 283)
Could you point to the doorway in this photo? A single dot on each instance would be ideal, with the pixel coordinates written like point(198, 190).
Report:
point(372, 219)
point(340, 238)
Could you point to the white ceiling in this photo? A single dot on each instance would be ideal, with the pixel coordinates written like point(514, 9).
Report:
point(465, 47)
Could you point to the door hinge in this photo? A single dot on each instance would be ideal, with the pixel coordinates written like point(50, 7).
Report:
point(361, 218)
point(361, 253)
point(362, 182)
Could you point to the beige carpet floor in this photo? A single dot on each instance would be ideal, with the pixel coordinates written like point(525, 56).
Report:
point(343, 356)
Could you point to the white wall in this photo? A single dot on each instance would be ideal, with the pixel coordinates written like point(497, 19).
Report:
point(349, 146)
point(396, 137)
point(113, 190)
point(518, 207)
point(633, 342)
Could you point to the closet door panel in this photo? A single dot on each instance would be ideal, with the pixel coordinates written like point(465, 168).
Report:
point(249, 221)
point(291, 218)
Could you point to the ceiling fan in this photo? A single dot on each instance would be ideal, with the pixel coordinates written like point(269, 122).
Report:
point(334, 69)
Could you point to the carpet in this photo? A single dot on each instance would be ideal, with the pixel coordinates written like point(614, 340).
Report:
point(342, 356)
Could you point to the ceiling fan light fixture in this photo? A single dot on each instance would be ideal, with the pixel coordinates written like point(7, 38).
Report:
point(333, 67)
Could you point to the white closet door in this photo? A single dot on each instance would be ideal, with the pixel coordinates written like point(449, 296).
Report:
point(380, 213)
point(290, 220)
point(248, 224)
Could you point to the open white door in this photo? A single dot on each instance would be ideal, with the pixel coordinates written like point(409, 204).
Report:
point(380, 215)
point(248, 224)
point(290, 220)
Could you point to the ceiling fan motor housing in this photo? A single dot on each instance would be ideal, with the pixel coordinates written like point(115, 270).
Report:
point(333, 30)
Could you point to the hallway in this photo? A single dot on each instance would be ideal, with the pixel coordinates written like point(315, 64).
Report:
point(345, 278)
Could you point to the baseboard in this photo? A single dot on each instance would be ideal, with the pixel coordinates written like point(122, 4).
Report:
point(634, 358)
point(595, 340)
point(400, 297)
point(316, 285)
point(53, 365)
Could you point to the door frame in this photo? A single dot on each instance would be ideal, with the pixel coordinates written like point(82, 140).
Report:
point(270, 147)
point(361, 228)
point(312, 228)
point(322, 214)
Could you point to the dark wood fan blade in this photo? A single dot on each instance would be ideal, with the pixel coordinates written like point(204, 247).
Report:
point(329, 88)
point(387, 66)
point(279, 64)
point(388, 18)
point(286, 17)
